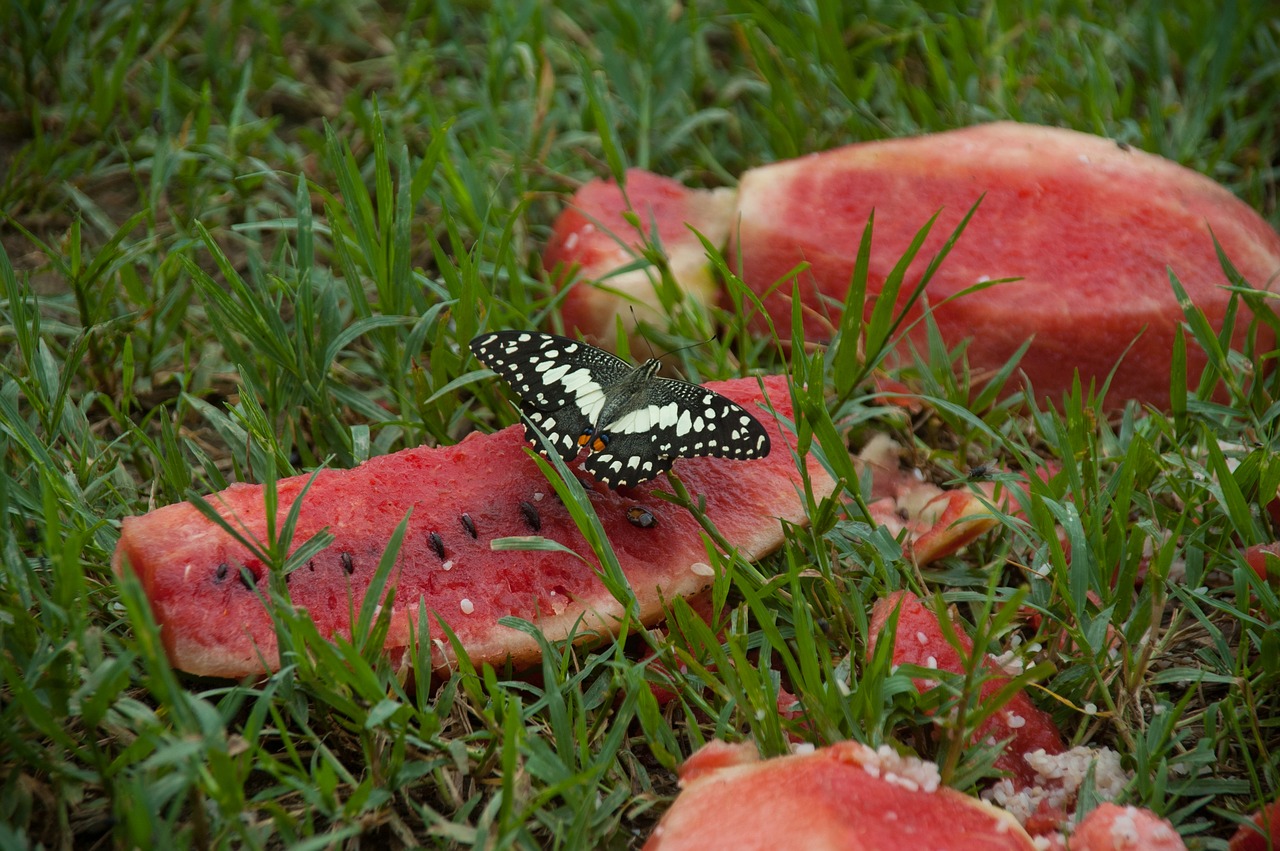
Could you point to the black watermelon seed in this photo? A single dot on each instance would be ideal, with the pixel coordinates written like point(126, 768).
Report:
point(468, 524)
point(437, 544)
point(640, 516)
point(248, 579)
point(347, 563)
point(531, 516)
point(311, 565)
point(221, 572)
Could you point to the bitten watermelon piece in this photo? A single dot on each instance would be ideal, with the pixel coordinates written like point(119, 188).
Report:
point(846, 796)
point(592, 239)
point(463, 497)
point(919, 640)
point(1110, 827)
point(1090, 227)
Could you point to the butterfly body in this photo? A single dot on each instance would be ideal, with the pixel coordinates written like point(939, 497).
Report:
point(633, 423)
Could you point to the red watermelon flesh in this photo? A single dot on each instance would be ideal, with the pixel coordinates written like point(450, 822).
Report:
point(592, 239)
point(212, 624)
point(1089, 226)
point(1110, 827)
point(919, 640)
point(1262, 834)
point(846, 796)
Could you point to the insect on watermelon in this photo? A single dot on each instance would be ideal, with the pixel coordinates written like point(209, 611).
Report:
point(633, 423)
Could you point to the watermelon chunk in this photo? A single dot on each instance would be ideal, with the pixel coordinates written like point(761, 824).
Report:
point(462, 497)
point(1262, 834)
point(1258, 556)
point(1110, 827)
point(920, 641)
point(592, 240)
point(846, 796)
point(1090, 227)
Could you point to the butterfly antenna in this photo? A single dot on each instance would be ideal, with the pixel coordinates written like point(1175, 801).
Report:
point(635, 324)
point(635, 320)
point(690, 346)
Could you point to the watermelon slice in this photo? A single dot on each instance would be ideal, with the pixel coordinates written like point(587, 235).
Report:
point(1091, 229)
point(846, 796)
point(463, 497)
point(592, 240)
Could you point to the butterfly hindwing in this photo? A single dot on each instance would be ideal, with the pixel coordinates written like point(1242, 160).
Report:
point(677, 420)
point(634, 423)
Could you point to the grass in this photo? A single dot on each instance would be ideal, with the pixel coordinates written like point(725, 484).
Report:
point(242, 240)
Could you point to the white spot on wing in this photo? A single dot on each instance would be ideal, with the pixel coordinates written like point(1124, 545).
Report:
point(577, 379)
point(556, 372)
point(683, 424)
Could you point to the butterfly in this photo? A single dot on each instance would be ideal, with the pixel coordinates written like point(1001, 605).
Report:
point(633, 423)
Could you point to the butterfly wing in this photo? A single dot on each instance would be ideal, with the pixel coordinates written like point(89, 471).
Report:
point(561, 382)
point(677, 419)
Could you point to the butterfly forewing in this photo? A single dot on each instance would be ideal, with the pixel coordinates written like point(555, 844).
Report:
point(560, 381)
point(636, 423)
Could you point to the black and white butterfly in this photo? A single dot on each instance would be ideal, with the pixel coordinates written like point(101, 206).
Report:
point(633, 423)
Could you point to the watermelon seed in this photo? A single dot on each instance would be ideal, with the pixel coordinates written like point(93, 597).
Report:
point(468, 525)
point(531, 516)
point(437, 544)
point(347, 564)
point(311, 565)
point(247, 579)
point(221, 573)
point(640, 516)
